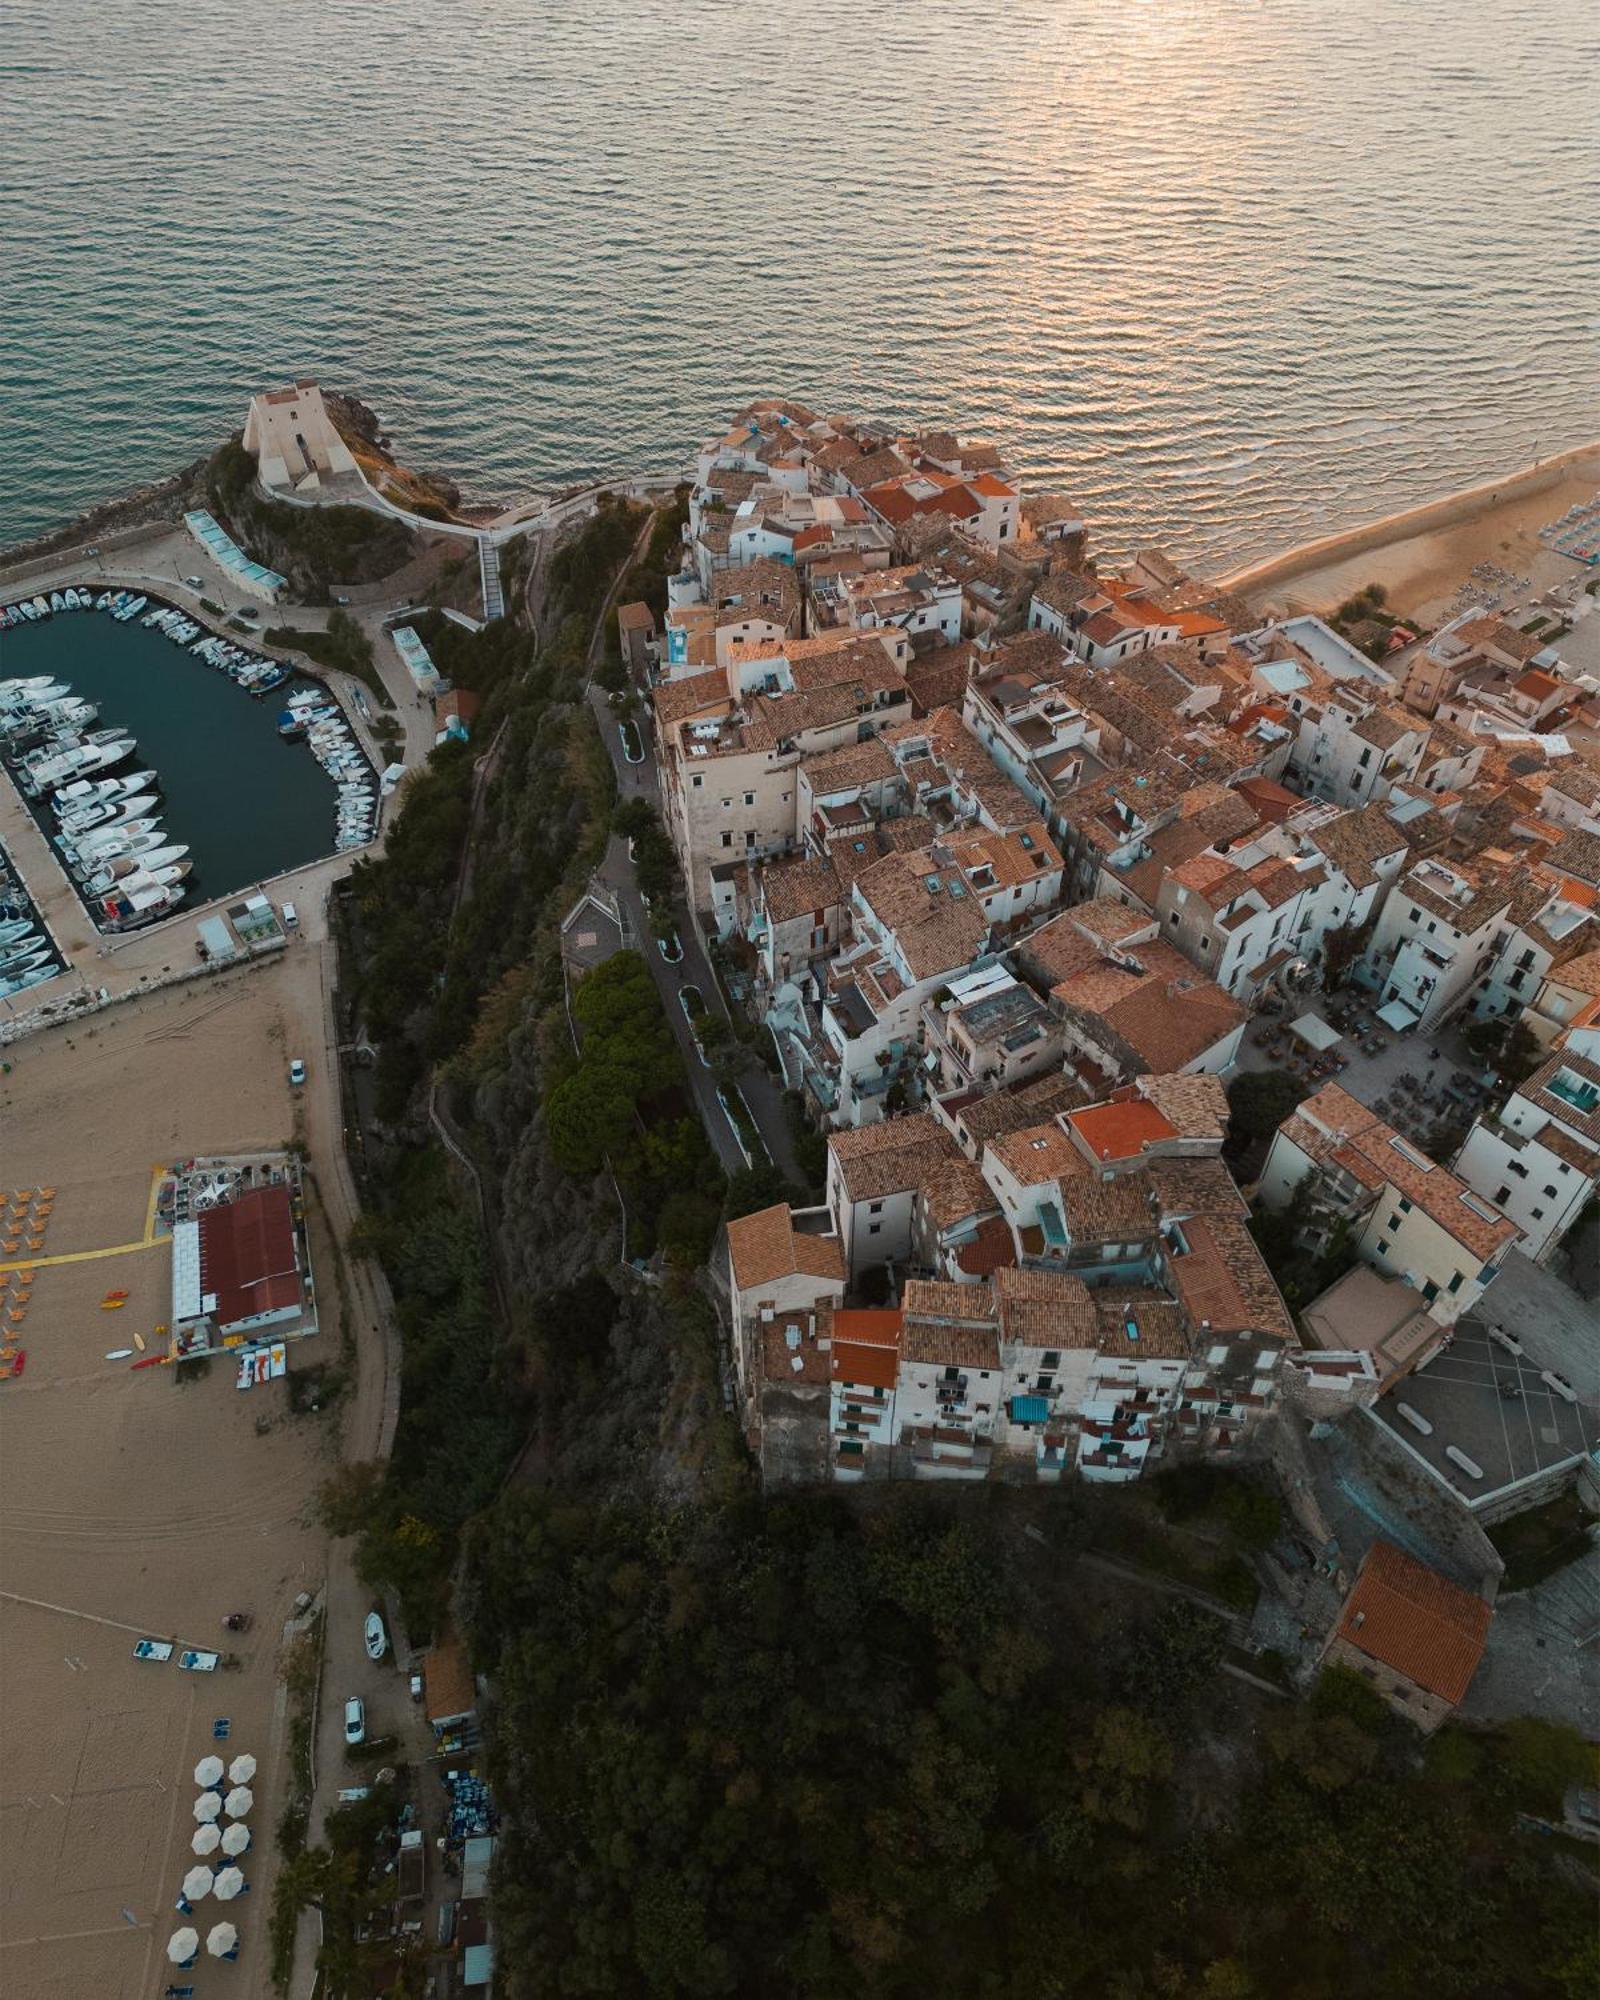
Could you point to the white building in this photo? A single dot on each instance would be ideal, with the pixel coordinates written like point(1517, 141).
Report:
point(1538, 1159)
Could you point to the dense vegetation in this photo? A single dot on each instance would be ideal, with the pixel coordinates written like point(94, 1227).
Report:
point(343, 646)
point(316, 548)
point(811, 1748)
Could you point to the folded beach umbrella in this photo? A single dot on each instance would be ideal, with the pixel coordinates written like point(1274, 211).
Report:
point(227, 1885)
point(208, 1806)
point(236, 1839)
point(239, 1801)
point(241, 1770)
point(206, 1839)
point(182, 1946)
point(222, 1940)
point(208, 1772)
point(197, 1883)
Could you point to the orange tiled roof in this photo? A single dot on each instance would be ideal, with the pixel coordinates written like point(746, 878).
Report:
point(1411, 1619)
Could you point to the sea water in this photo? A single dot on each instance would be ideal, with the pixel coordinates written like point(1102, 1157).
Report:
point(246, 803)
point(1232, 274)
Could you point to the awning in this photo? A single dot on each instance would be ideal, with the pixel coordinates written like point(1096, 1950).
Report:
point(1029, 1409)
point(1312, 1029)
point(1397, 1015)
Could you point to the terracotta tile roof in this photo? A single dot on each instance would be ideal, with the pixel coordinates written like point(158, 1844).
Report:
point(1355, 840)
point(1195, 1187)
point(939, 679)
point(949, 1325)
point(676, 700)
point(1223, 1283)
point(1165, 1012)
point(1332, 1127)
point(855, 765)
point(866, 1347)
point(954, 1191)
point(1036, 1154)
point(1120, 1130)
point(1001, 1111)
point(766, 1246)
point(936, 931)
point(892, 1157)
point(1581, 974)
point(1045, 1309)
point(1119, 1210)
point(1197, 1106)
point(791, 889)
point(1416, 1622)
point(1161, 1333)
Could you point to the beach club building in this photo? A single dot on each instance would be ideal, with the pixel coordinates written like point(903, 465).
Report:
point(241, 1274)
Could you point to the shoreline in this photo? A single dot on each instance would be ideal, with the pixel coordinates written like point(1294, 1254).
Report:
point(1429, 517)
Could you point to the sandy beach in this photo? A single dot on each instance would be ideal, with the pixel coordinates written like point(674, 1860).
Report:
point(131, 1504)
point(1422, 554)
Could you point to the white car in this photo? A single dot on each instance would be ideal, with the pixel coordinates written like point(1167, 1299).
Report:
point(355, 1720)
point(297, 1073)
point(377, 1638)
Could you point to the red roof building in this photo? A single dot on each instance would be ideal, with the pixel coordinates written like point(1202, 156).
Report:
point(249, 1264)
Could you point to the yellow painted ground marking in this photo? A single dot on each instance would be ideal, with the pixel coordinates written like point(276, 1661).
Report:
point(81, 1256)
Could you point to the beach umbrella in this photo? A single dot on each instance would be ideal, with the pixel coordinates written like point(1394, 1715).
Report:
point(182, 1946)
point(222, 1941)
point(208, 1772)
point(241, 1770)
point(239, 1801)
point(236, 1840)
point(206, 1839)
point(197, 1883)
point(227, 1885)
point(208, 1806)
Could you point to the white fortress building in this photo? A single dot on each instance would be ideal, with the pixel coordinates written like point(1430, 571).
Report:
point(294, 441)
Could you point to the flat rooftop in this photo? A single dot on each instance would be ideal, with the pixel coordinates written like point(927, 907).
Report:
point(1492, 1406)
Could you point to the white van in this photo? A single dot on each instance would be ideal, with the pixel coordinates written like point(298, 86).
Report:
point(291, 917)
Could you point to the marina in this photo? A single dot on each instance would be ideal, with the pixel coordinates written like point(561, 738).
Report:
point(223, 796)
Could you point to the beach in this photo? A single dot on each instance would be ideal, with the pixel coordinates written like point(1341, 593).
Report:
point(1422, 555)
point(133, 1504)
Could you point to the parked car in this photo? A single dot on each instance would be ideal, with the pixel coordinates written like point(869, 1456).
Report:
point(416, 1687)
point(355, 1720)
point(377, 1638)
point(297, 1072)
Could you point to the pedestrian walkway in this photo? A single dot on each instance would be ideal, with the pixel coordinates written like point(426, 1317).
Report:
point(494, 603)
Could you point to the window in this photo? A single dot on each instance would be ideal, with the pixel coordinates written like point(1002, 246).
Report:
point(727, 840)
point(874, 1228)
point(1430, 1291)
point(1538, 1215)
point(1516, 1167)
point(875, 1208)
point(1174, 916)
point(1045, 1384)
point(749, 798)
point(1405, 1206)
point(1052, 1357)
point(1364, 759)
point(726, 803)
point(1393, 1223)
point(697, 781)
point(1550, 1193)
point(1455, 1283)
point(1502, 1195)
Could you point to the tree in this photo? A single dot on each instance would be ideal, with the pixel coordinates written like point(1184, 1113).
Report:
point(1258, 1103)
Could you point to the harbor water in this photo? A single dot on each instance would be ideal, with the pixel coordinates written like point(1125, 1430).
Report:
point(1233, 275)
point(246, 803)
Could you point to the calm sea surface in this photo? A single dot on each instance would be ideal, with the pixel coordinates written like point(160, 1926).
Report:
point(1234, 272)
point(246, 803)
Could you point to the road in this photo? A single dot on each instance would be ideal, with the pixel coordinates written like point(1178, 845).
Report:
point(616, 872)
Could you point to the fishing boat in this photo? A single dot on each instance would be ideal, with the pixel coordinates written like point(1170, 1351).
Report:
point(131, 609)
point(103, 600)
point(40, 973)
point(16, 963)
point(57, 601)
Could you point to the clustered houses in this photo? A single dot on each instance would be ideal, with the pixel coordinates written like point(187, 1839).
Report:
point(1008, 845)
point(1083, 1299)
